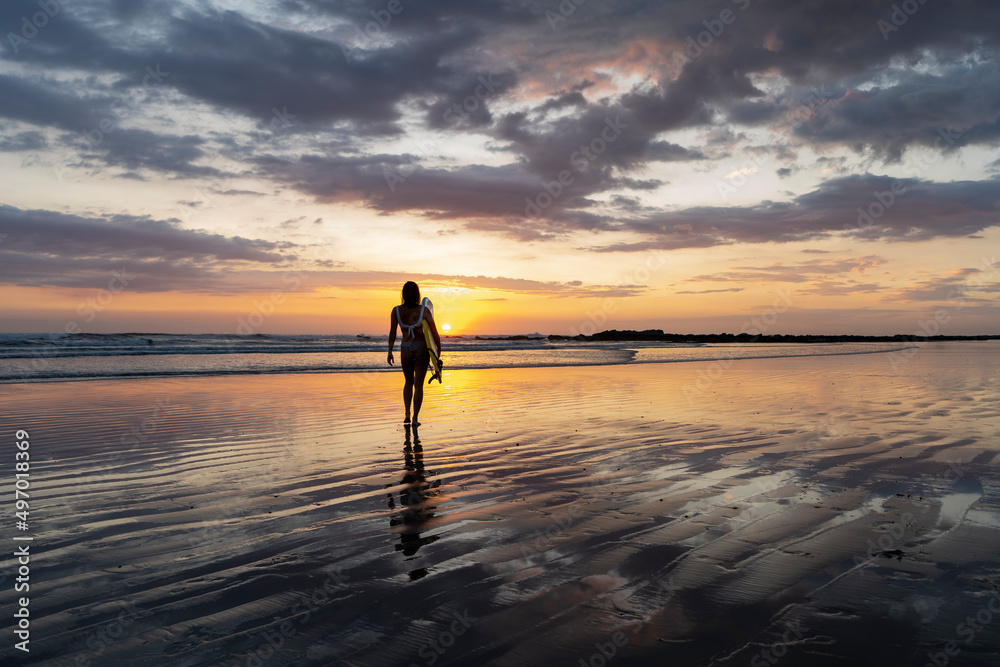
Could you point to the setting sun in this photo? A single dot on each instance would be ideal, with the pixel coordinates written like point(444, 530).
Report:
point(446, 328)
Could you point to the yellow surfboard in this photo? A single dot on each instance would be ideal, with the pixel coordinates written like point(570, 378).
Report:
point(432, 347)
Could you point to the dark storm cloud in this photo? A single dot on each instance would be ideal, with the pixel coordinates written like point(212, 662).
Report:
point(493, 197)
point(94, 126)
point(239, 65)
point(466, 104)
point(251, 67)
point(410, 14)
point(50, 248)
point(821, 48)
point(864, 207)
point(664, 151)
point(142, 276)
point(23, 141)
point(42, 103)
point(124, 236)
point(958, 107)
point(852, 83)
point(142, 149)
point(563, 100)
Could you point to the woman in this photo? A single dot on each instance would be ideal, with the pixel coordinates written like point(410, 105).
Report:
point(413, 353)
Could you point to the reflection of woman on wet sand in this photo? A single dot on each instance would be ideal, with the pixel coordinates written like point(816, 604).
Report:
point(413, 353)
point(414, 498)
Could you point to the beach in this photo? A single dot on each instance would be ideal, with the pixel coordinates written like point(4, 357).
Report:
point(798, 511)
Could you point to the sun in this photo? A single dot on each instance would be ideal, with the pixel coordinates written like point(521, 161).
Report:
point(446, 328)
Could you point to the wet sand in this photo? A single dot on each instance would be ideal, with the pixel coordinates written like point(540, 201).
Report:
point(803, 511)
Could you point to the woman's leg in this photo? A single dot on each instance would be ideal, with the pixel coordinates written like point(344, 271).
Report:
point(419, 370)
point(406, 362)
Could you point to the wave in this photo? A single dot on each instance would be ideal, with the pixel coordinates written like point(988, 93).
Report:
point(348, 358)
point(56, 346)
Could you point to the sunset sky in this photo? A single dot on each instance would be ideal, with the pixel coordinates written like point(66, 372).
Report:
point(535, 166)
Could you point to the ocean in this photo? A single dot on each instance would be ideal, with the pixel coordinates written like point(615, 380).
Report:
point(55, 357)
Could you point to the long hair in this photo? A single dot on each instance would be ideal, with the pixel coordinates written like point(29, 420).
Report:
point(411, 294)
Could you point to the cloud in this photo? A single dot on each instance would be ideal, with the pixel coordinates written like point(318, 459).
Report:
point(848, 206)
point(962, 287)
point(821, 73)
point(710, 291)
point(799, 272)
point(46, 248)
point(141, 149)
point(49, 248)
point(22, 142)
point(953, 107)
point(609, 98)
point(430, 282)
point(842, 288)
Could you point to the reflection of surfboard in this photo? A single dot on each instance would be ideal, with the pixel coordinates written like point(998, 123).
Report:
point(432, 347)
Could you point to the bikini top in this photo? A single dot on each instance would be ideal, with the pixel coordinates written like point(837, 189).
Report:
point(410, 327)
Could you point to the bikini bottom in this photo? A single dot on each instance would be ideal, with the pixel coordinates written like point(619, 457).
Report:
point(412, 346)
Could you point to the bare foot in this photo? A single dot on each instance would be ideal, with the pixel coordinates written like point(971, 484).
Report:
point(407, 420)
point(416, 423)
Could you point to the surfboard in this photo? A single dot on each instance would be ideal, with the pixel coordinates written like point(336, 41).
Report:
point(432, 347)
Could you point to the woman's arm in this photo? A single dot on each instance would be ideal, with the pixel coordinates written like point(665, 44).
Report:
point(392, 333)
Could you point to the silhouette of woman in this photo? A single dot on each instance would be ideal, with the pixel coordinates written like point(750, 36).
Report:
point(413, 353)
